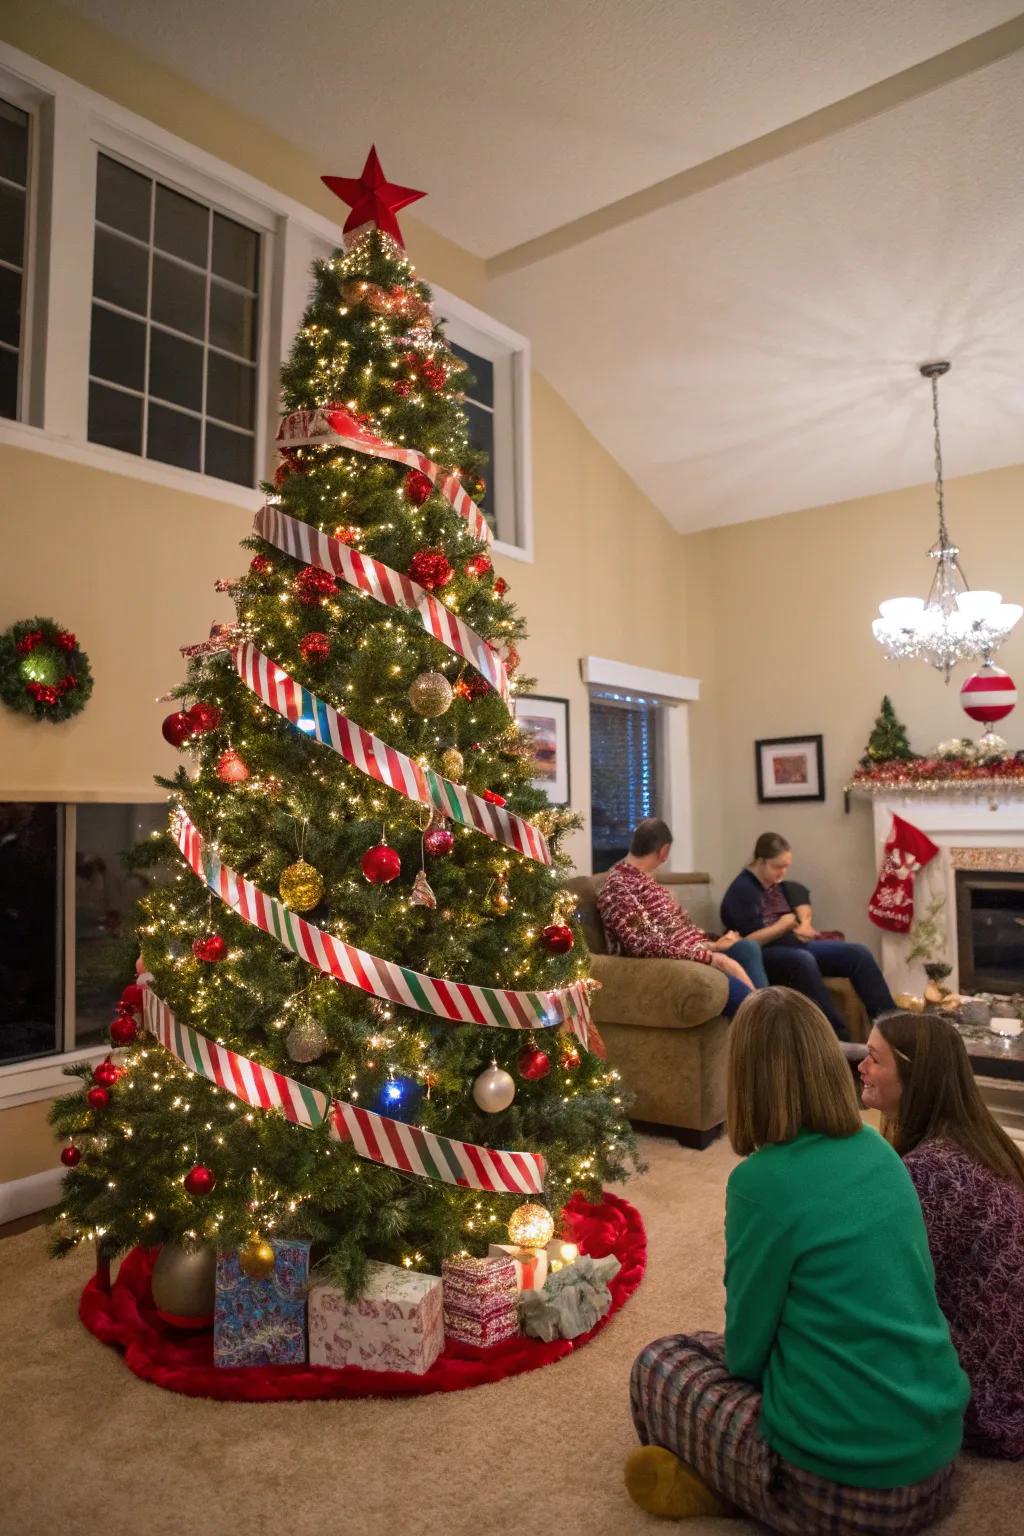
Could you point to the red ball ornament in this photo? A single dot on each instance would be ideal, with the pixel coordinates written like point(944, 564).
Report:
point(177, 728)
point(512, 659)
point(381, 864)
point(71, 1156)
point(347, 533)
point(438, 841)
point(557, 938)
point(231, 768)
point(989, 695)
point(315, 647)
point(209, 947)
point(200, 1180)
point(123, 1030)
point(493, 797)
point(433, 375)
point(105, 1073)
point(312, 585)
point(402, 387)
point(259, 565)
point(431, 569)
point(98, 1098)
point(417, 487)
point(501, 586)
point(478, 566)
point(571, 1059)
point(131, 997)
point(204, 717)
point(533, 1063)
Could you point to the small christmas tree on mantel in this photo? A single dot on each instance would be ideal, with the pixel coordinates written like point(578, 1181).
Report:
point(888, 740)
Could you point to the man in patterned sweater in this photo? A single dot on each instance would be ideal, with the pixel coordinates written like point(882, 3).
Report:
point(642, 920)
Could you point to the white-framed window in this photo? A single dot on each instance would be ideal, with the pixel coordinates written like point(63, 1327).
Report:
point(23, 138)
point(67, 947)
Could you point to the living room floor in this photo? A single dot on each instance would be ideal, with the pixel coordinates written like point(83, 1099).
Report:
point(542, 1451)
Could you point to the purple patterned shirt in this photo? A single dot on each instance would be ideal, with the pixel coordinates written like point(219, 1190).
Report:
point(975, 1223)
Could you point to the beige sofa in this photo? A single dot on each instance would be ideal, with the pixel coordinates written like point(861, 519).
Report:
point(662, 1020)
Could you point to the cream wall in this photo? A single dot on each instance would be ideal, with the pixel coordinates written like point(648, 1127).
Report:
point(779, 618)
point(130, 566)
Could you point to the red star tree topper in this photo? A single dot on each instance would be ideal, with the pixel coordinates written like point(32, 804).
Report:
point(372, 198)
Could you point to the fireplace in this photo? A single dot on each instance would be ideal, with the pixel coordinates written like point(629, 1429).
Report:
point(990, 930)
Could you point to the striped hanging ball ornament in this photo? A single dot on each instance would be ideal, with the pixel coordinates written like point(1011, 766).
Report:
point(988, 695)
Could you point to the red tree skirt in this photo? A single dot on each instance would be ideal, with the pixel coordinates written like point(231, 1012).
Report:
point(124, 1317)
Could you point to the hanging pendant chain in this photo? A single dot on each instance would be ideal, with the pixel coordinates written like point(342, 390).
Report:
point(943, 532)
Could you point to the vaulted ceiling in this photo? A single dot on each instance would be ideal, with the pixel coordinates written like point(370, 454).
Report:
point(731, 228)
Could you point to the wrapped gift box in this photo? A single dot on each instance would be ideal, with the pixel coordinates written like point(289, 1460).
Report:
point(262, 1322)
point(397, 1324)
point(480, 1300)
point(531, 1264)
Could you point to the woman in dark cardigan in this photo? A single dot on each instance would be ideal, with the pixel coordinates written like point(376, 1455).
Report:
point(969, 1178)
point(756, 906)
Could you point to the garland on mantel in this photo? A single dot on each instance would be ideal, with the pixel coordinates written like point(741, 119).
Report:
point(939, 775)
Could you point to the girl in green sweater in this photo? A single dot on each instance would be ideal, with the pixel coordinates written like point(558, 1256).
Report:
point(834, 1403)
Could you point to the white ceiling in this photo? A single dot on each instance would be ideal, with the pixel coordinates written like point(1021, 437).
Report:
point(742, 350)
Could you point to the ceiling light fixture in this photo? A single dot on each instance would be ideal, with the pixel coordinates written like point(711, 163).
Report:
point(953, 624)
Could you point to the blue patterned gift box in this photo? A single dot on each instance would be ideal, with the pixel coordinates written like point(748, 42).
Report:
point(262, 1322)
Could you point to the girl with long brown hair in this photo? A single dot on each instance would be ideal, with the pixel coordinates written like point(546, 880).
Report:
point(834, 1402)
point(969, 1177)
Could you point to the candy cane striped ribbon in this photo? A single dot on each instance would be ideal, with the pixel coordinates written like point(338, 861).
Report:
point(330, 425)
point(375, 758)
point(387, 586)
point(456, 1001)
point(378, 1138)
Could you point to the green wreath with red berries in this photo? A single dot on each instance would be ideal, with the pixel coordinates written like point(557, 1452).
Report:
point(43, 670)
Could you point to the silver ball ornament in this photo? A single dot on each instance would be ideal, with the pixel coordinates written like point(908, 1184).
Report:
point(183, 1283)
point(494, 1091)
point(305, 1041)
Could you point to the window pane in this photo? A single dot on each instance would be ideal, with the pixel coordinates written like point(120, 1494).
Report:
point(235, 252)
point(30, 956)
point(117, 349)
point(115, 418)
point(479, 383)
point(12, 226)
point(173, 437)
point(182, 226)
point(230, 389)
point(13, 143)
point(8, 383)
point(105, 900)
point(481, 435)
point(10, 306)
point(229, 455)
point(623, 767)
point(175, 369)
point(179, 297)
point(123, 198)
point(232, 321)
point(120, 272)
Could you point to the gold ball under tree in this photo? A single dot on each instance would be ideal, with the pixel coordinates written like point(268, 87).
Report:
point(301, 886)
point(452, 764)
point(182, 1283)
point(431, 695)
point(257, 1259)
point(531, 1225)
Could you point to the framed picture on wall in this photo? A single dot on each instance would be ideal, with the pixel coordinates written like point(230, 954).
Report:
point(790, 768)
point(546, 721)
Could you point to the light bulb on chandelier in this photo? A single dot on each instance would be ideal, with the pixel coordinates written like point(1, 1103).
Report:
point(954, 623)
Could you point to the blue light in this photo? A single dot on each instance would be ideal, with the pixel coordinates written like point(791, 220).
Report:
point(393, 1091)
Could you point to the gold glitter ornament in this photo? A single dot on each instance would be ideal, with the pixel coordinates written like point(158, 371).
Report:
point(257, 1259)
point(452, 764)
point(301, 886)
point(501, 901)
point(305, 1041)
point(431, 695)
point(531, 1226)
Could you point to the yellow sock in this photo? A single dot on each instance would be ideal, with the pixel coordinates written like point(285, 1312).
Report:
point(665, 1486)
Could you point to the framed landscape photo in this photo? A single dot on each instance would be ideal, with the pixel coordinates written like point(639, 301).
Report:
point(546, 721)
point(790, 768)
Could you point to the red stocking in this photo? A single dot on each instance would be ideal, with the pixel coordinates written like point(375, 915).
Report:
point(907, 851)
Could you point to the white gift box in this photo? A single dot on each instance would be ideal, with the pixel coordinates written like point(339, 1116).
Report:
point(397, 1324)
point(531, 1264)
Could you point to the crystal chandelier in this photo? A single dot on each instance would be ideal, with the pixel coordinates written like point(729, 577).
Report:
point(954, 624)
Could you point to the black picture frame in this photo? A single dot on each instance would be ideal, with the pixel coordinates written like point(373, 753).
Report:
point(770, 755)
point(541, 714)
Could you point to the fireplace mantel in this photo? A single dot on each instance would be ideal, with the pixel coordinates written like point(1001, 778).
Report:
point(962, 827)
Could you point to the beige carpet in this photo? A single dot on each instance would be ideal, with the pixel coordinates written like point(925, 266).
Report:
point(85, 1448)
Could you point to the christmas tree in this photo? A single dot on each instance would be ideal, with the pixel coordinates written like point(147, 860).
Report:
point(363, 1017)
point(888, 740)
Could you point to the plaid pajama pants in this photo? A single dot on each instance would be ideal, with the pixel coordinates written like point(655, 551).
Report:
point(684, 1399)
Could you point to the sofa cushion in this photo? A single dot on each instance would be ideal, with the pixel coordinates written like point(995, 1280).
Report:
point(656, 994)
